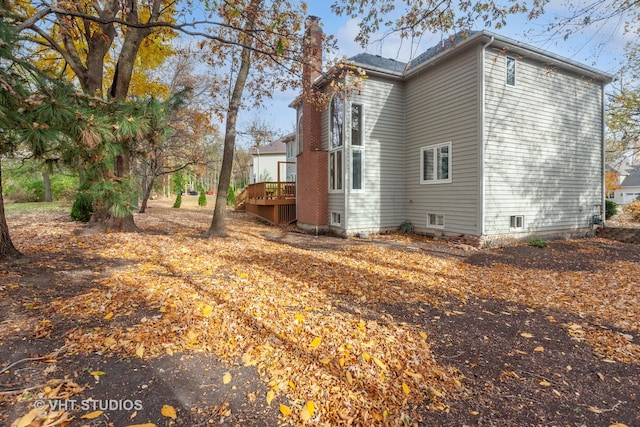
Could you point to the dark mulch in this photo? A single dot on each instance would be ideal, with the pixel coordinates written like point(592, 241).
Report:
point(508, 382)
point(558, 256)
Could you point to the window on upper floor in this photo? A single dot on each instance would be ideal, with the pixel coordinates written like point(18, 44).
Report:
point(511, 71)
point(357, 147)
point(299, 135)
point(435, 164)
point(336, 131)
point(336, 115)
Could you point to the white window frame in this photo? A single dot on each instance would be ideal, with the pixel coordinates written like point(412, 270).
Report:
point(335, 218)
point(436, 215)
point(510, 59)
point(434, 148)
point(299, 137)
point(336, 152)
point(516, 222)
point(360, 148)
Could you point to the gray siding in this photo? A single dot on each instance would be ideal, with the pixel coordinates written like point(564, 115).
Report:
point(442, 105)
point(381, 205)
point(543, 148)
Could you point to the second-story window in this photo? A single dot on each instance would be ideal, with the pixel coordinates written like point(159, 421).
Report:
point(357, 147)
point(336, 117)
point(511, 71)
point(299, 136)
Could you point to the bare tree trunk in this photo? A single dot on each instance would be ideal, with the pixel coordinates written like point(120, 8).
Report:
point(7, 250)
point(47, 187)
point(147, 186)
point(217, 228)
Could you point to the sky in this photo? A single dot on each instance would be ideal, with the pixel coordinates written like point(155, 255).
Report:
point(600, 46)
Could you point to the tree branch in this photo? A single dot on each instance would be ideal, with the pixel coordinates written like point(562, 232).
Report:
point(182, 28)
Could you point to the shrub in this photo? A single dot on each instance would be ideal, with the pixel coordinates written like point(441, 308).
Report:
point(610, 209)
point(82, 208)
point(202, 199)
point(633, 209)
point(178, 201)
point(21, 196)
point(406, 227)
point(231, 197)
point(537, 243)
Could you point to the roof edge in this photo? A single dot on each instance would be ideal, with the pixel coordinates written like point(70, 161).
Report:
point(520, 47)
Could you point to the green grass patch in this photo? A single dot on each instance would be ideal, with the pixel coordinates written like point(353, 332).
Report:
point(41, 207)
point(537, 243)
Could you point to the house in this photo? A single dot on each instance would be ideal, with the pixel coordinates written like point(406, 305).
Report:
point(268, 162)
point(481, 136)
point(629, 187)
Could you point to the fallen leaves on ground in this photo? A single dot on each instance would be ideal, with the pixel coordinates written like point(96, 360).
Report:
point(299, 315)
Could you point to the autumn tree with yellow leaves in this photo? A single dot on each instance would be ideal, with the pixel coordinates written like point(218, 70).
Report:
point(106, 44)
point(105, 47)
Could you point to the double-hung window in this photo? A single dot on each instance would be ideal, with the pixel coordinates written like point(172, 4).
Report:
point(435, 164)
point(336, 117)
point(357, 147)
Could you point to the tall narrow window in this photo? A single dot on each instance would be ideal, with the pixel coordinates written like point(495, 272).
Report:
point(356, 124)
point(435, 164)
point(299, 135)
point(335, 170)
point(337, 120)
point(336, 117)
point(357, 148)
point(511, 71)
point(356, 169)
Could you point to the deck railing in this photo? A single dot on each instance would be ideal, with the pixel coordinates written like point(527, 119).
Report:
point(274, 202)
point(271, 190)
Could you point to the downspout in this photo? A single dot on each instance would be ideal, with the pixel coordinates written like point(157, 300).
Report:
point(602, 159)
point(346, 166)
point(483, 138)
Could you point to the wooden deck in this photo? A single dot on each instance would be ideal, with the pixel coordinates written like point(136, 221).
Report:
point(274, 202)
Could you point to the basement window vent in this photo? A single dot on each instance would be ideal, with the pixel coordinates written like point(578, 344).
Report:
point(336, 218)
point(516, 222)
point(435, 220)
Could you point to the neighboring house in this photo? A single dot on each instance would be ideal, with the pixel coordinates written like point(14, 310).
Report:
point(292, 152)
point(268, 162)
point(629, 187)
point(484, 137)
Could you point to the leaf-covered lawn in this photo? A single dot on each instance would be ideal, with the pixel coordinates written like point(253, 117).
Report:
point(305, 311)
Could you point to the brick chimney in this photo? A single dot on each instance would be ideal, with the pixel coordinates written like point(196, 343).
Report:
point(312, 49)
point(312, 163)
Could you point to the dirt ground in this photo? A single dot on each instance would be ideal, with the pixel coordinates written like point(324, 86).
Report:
point(525, 353)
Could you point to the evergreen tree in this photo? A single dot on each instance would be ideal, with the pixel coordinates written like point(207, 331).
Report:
point(34, 114)
point(202, 198)
point(46, 117)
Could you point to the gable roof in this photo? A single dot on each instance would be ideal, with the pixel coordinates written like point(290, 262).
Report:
point(633, 179)
point(621, 168)
point(466, 39)
point(378, 62)
point(279, 146)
